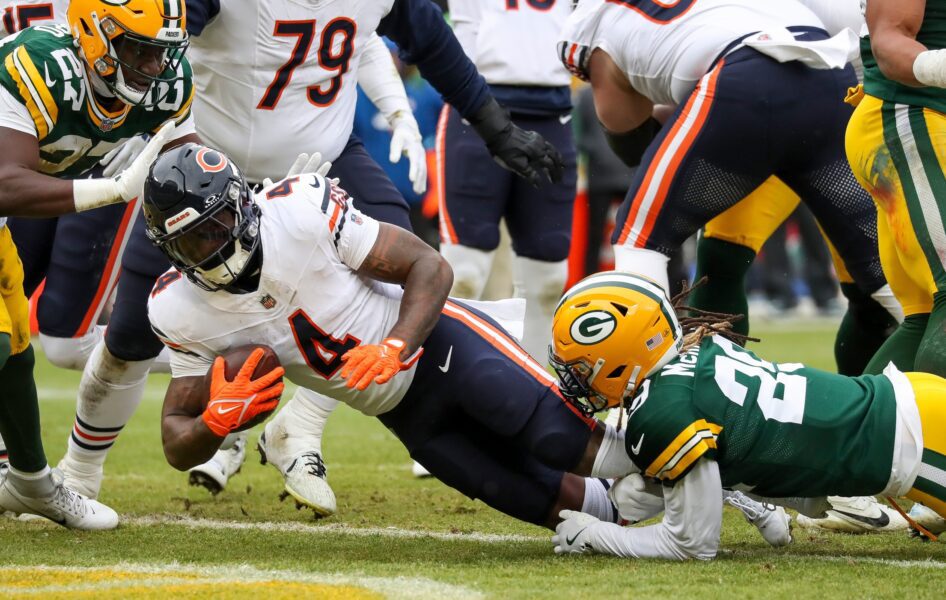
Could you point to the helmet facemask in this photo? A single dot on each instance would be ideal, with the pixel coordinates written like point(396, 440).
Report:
point(213, 249)
point(131, 65)
point(576, 382)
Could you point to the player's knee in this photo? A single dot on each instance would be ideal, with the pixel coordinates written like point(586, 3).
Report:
point(865, 309)
point(555, 435)
point(547, 248)
point(719, 259)
point(132, 346)
point(471, 267)
point(70, 352)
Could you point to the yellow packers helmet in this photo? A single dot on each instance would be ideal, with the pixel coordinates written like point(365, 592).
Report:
point(116, 38)
point(609, 332)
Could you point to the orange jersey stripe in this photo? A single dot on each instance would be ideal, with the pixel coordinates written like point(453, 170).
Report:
point(657, 164)
point(505, 344)
point(447, 232)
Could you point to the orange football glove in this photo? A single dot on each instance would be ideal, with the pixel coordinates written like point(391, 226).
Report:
point(373, 362)
point(233, 403)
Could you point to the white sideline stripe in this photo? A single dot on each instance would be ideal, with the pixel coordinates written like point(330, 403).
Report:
point(887, 562)
point(332, 528)
point(170, 574)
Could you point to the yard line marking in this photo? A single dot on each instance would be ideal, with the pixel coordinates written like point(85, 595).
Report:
point(178, 577)
point(333, 528)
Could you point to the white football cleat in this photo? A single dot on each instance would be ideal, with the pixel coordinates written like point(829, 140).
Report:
point(81, 476)
point(304, 473)
point(420, 471)
point(224, 464)
point(772, 521)
point(64, 506)
point(862, 514)
point(928, 518)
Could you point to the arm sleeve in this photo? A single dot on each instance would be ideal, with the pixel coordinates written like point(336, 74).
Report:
point(200, 13)
point(14, 115)
point(351, 233)
point(425, 39)
point(690, 527)
point(379, 78)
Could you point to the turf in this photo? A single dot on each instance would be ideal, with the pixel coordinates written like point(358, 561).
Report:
point(370, 473)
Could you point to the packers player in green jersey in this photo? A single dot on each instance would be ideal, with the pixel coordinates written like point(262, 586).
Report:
point(68, 96)
point(704, 414)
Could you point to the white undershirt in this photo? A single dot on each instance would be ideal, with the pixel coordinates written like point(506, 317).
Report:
point(14, 114)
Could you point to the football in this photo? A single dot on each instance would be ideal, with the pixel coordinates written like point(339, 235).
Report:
point(234, 359)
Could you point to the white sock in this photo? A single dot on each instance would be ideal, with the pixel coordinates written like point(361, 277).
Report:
point(541, 283)
point(471, 268)
point(299, 425)
point(596, 502)
point(33, 485)
point(649, 263)
point(109, 393)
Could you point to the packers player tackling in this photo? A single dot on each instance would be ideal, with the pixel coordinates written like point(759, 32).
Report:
point(704, 414)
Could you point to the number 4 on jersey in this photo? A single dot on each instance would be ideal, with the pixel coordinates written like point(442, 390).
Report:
point(322, 352)
point(329, 59)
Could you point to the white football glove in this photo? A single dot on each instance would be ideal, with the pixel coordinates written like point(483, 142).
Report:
point(636, 499)
point(120, 157)
point(572, 534)
point(406, 140)
point(305, 164)
point(131, 180)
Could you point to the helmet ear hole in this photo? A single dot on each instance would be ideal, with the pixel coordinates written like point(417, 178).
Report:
point(620, 308)
point(616, 372)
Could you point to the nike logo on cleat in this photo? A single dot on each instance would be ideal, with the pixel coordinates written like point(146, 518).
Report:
point(878, 522)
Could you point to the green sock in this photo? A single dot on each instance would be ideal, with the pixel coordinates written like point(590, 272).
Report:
point(865, 327)
point(901, 347)
point(725, 265)
point(19, 412)
point(931, 356)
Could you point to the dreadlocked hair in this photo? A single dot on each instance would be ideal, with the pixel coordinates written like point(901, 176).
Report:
point(697, 323)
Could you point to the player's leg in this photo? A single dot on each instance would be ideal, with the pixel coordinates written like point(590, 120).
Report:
point(876, 156)
point(114, 377)
point(83, 270)
point(814, 166)
point(730, 243)
point(292, 443)
point(474, 191)
point(540, 224)
point(28, 485)
point(696, 167)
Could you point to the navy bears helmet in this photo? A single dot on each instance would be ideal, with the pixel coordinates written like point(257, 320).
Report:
point(200, 212)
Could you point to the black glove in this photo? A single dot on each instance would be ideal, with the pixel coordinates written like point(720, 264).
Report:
point(525, 153)
point(630, 146)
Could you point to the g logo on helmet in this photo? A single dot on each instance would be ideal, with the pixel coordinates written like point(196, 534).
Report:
point(593, 327)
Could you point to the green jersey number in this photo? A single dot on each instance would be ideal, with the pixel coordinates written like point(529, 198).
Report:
point(780, 395)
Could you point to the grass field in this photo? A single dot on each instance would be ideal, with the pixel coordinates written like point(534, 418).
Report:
point(398, 536)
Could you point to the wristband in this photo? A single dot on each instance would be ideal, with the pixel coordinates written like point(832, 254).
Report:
point(929, 68)
point(93, 193)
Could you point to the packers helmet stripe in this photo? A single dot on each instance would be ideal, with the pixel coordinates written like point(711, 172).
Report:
point(638, 285)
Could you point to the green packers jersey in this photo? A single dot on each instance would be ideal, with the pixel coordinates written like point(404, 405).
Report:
point(42, 70)
point(777, 429)
point(932, 34)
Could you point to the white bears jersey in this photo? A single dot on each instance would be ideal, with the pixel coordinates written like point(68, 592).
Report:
point(20, 14)
point(513, 42)
point(665, 48)
point(277, 77)
point(311, 306)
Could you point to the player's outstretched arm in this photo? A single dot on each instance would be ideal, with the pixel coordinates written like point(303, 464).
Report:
point(690, 528)
point(893, 26)
point(398, 256)
point(23, 190)
point(186, 438)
